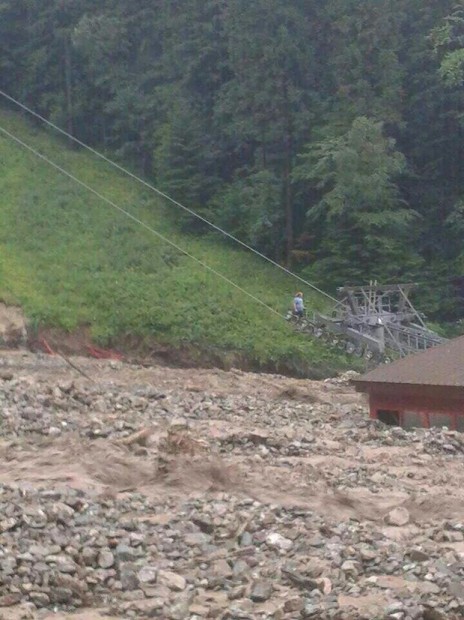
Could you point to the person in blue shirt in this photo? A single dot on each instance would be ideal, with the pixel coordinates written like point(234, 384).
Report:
point(298, 305)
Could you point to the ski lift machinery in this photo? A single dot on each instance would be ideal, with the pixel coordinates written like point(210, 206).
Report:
point(376, 321)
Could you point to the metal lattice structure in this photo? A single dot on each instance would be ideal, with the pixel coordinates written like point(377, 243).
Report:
point(373, 320)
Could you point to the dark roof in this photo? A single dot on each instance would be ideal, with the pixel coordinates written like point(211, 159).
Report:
point(442, 365)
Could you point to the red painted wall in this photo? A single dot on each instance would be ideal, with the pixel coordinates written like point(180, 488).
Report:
point(431, 411)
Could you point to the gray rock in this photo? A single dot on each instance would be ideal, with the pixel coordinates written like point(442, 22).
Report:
point(10, 599)
point(368, 554)
point(240, 568)
point(394, 608)
point(40, 599)
point(220, 570)
point(261, 591)
point(61, 595)
point(351, 568)
point(41, 551)
point(172, 580)
point(417, 555)
point(124, 553)
point(147, 575)
point(35, 518)
point(298, 579)
point(60, 512)
point(398, 516)
point(197, 539)
point(180, 609)
point(416, 612)
point(132, 595)
point(456, 589)
point(427, 587)
point(105, 559)
point(277, 541)
point(293, 605)
point(8, 566)
point(64, 564)
point(8, 524)
point(431, 613)
point(129, 578)
point(311, 611)
point(89, 556)
point(149, 608)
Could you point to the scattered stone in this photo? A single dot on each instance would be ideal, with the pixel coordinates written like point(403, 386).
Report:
point(240, 568)
point(325, 585)
point(61, 595)
point(61, 512)
point(394, 608)
point(129, 578)
point(293, 605)
point(456, 589)
point(428, 587)
point(350, 568)
point(40, 599)
point(172, 580)
point(311, 611)
point(140, 437)
point(8, 524)
point(105, 559)
point(8, 600)
point(194, 540)
point(147, 575)
point(299, 580)
point(431, 613)
point(417, 555)
point(124, 553)
point(398, 516)
point(221, 568)
point(278, 541)
point(261, 591)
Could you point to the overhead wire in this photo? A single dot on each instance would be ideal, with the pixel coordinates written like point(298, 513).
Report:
point(164, 195)
point(128, 214)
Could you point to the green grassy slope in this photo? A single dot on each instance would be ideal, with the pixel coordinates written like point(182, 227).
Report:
point(69, 260)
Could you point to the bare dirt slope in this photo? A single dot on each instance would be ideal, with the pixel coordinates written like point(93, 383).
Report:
point(189, 494)
point(12, 325)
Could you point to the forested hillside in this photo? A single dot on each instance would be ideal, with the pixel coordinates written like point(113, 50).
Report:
point(329, 135)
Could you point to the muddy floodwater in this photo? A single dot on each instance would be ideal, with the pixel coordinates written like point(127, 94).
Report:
point(152, 492)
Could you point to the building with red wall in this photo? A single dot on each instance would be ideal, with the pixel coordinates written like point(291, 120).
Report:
point(426, 389)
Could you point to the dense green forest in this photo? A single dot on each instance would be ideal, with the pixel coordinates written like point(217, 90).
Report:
point(329, 135)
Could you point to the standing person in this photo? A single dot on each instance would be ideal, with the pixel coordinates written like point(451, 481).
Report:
point(298, 305)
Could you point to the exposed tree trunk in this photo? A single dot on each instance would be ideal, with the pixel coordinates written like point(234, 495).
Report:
point(289, 241)
point(288, 197)
point(68, 86)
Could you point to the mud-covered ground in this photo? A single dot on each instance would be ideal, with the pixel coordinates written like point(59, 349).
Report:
point(187, 494)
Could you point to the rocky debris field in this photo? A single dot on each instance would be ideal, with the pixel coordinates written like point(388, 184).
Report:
point(187, 494)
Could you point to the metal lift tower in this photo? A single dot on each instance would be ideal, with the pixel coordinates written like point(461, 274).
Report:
point(376, 321)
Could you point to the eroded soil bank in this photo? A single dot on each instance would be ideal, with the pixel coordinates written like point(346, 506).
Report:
point(16, 332)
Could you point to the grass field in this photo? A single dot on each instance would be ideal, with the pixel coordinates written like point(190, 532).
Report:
point(70, 260)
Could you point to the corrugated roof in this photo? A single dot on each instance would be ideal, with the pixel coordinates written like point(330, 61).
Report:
point(442, 365)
